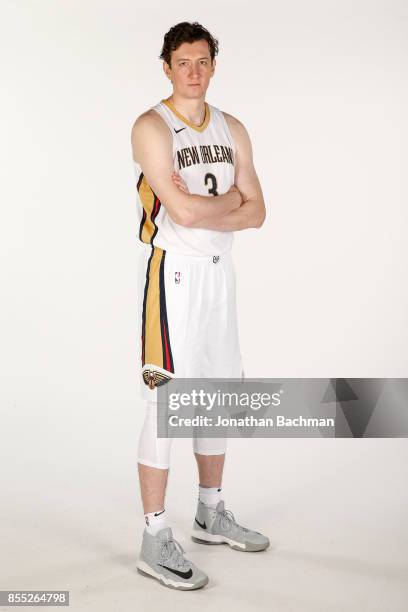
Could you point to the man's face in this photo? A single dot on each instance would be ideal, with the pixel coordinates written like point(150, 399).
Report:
point(191, 69)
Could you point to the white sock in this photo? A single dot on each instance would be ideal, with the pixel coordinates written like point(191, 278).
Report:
point(155, 521)
point(210, 496)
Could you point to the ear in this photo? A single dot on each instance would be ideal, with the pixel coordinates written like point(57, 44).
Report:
point(167, 70)
point(213, 66)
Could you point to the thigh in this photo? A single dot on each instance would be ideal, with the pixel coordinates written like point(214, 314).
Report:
point(172, 329)
point(223, 353)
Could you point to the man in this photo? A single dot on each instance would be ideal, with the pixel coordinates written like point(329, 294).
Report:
point(196, 185)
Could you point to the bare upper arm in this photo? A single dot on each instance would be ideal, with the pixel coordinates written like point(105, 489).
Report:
point(152, 147)
point(246, 178)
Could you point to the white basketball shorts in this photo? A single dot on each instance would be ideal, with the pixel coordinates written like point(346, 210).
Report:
point(187, 318)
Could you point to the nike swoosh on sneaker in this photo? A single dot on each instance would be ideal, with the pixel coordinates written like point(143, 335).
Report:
point(203, 525)
point(177, 131)
point(185, 575)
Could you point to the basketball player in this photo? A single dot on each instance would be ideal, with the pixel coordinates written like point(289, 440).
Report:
point(196, 185)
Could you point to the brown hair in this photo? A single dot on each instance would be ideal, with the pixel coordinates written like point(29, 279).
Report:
point(186, 32)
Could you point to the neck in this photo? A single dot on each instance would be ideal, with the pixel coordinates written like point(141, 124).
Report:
point(191, 109)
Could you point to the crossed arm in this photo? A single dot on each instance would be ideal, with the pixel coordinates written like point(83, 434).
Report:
point(240, 208)
point(251, 212)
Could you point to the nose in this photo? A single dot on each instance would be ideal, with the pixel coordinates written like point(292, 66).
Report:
point(194, 70)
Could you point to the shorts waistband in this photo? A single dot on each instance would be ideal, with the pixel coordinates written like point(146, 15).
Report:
point(191, 259)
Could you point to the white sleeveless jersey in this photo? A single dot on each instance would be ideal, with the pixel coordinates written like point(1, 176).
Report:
point(205, 159)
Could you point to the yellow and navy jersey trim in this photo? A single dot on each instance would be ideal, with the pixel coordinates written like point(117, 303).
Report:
point(151, 206)
point(156, 346)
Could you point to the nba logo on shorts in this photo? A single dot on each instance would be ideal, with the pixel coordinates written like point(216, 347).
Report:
point(177, 277)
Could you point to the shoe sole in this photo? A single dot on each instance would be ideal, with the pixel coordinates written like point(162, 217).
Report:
point(145, 569)
point(208, 538)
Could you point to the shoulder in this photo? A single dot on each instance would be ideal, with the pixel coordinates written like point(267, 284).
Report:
point(148, 126)
point(237, 128)
point(233, 122)
point(238, 132)
point(149, 120)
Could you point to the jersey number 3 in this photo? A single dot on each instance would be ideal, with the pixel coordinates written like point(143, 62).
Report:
point(211, 177)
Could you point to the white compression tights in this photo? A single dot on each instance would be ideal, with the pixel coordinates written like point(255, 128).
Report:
point(155, 452)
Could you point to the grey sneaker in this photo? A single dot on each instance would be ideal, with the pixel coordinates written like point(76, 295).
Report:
point(218, 526)
point(162, 558)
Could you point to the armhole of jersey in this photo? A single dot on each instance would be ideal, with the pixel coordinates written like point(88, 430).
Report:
point(137, 169)
point(161, 111)
point(227, 129)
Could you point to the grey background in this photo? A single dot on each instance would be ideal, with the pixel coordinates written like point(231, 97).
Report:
point(322, 292)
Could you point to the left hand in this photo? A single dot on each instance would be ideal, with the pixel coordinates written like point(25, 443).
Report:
point(178, 181)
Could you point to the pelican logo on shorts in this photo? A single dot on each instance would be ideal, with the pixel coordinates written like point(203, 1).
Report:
point(177, 277)
point(155, 379)
point(216, 258)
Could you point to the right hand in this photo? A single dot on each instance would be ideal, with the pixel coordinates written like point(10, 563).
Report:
point(234, 189)
point(178, 181)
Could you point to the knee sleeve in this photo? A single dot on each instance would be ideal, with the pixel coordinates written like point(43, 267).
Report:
point(153, 451)
point(210, 446)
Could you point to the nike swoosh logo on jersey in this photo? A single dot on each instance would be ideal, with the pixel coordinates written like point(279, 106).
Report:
point(185, 575)
point(177, 131)
point(203, 525)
